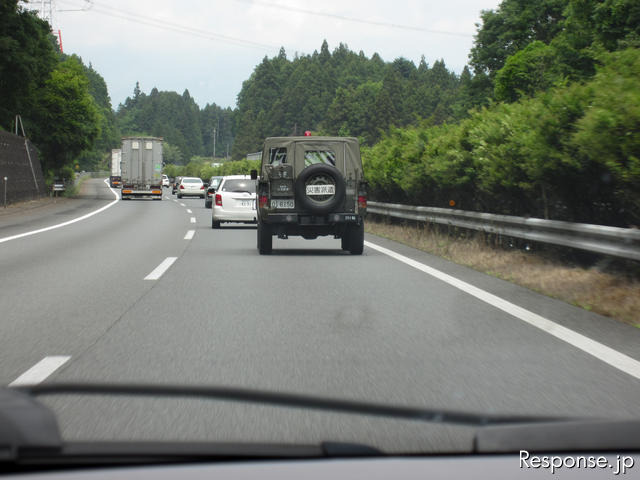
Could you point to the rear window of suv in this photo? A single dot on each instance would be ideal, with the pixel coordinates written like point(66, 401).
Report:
point(311, 157)
point(239, 185)
point(277, 155)
point(191, 180)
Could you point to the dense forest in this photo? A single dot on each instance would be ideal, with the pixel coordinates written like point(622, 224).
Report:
point(545, 120)
point(561, 136)
point(338, 93)
point(188, 131)
point(345, 93)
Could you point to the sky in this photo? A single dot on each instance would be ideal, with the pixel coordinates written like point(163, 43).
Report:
point(211, 47)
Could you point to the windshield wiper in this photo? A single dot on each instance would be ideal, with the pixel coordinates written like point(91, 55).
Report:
point(29, 433)
point(287, 400)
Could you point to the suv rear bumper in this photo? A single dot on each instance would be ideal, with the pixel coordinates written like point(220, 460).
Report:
point(311, 226)
point(303, 220)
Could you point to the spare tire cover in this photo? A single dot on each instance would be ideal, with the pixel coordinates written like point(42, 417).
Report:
point(311, 183)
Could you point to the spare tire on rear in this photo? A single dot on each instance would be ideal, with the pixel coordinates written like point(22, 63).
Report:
point(320, 174)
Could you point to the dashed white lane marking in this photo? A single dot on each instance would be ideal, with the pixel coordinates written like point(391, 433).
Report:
point(69, 222)
point(182, 204)
point(193, 219)
point(190, 234)
point(160, 269)
point(40, 371)
point(189, 210)
point(606, 354)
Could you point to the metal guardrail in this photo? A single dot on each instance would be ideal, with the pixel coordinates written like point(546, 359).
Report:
point(619, 242)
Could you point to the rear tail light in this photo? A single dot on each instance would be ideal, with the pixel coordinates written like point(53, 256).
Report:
point(218, 200)
point(362, 201)
point(202, 187)
point(263, 201)
point(181, 187)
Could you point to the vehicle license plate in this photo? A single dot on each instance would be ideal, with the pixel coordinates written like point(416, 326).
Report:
point(283, 204)
point(321, 189)
point(248, 203)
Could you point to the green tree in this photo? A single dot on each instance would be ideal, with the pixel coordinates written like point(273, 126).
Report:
point(27, 57)
point(66, 119)
point(511, 27)
point(171, 154)
point(109, 137)
point(533, 69)
point(607, 137)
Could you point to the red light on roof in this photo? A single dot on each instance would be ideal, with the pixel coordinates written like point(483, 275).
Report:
point(307, 133)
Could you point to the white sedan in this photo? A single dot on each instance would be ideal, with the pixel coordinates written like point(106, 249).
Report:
point(234, 201)
point(191, 186)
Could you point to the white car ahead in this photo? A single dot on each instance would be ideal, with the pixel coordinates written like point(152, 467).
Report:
point(234, 201)
point(165, 181)
point(191, 186)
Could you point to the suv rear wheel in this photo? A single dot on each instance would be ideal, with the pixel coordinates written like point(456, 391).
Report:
point(344, 240)
point(265, 239)
point(355, 239)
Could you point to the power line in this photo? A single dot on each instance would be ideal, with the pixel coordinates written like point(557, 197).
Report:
point(353, 19)
point(98, 7)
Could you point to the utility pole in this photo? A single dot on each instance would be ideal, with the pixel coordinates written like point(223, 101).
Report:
point(215, 135)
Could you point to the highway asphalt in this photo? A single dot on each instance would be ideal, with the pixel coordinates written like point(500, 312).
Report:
point(308, 319)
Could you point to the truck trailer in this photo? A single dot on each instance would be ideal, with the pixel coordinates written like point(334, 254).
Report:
point(141, 167)
point(115, 179)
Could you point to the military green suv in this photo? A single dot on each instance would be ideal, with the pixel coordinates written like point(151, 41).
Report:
point(311, 186)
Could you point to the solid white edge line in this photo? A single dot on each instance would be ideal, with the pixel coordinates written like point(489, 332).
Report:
point(40, 371)
point(160, 269)
point(606, 354)
point(193, 219)
point(189, 210)
point(64, 224)
point(190, 234)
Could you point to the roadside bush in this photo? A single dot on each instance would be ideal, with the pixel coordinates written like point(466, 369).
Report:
point(570, 153)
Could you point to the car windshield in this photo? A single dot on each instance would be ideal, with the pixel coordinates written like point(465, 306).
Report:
point(239, 185)
point(413, 204)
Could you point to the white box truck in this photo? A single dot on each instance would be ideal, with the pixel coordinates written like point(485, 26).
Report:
point(115, 179)
point(141, 167)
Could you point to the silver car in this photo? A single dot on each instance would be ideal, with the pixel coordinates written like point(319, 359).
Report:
point(191, 186)
point(234, 201)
